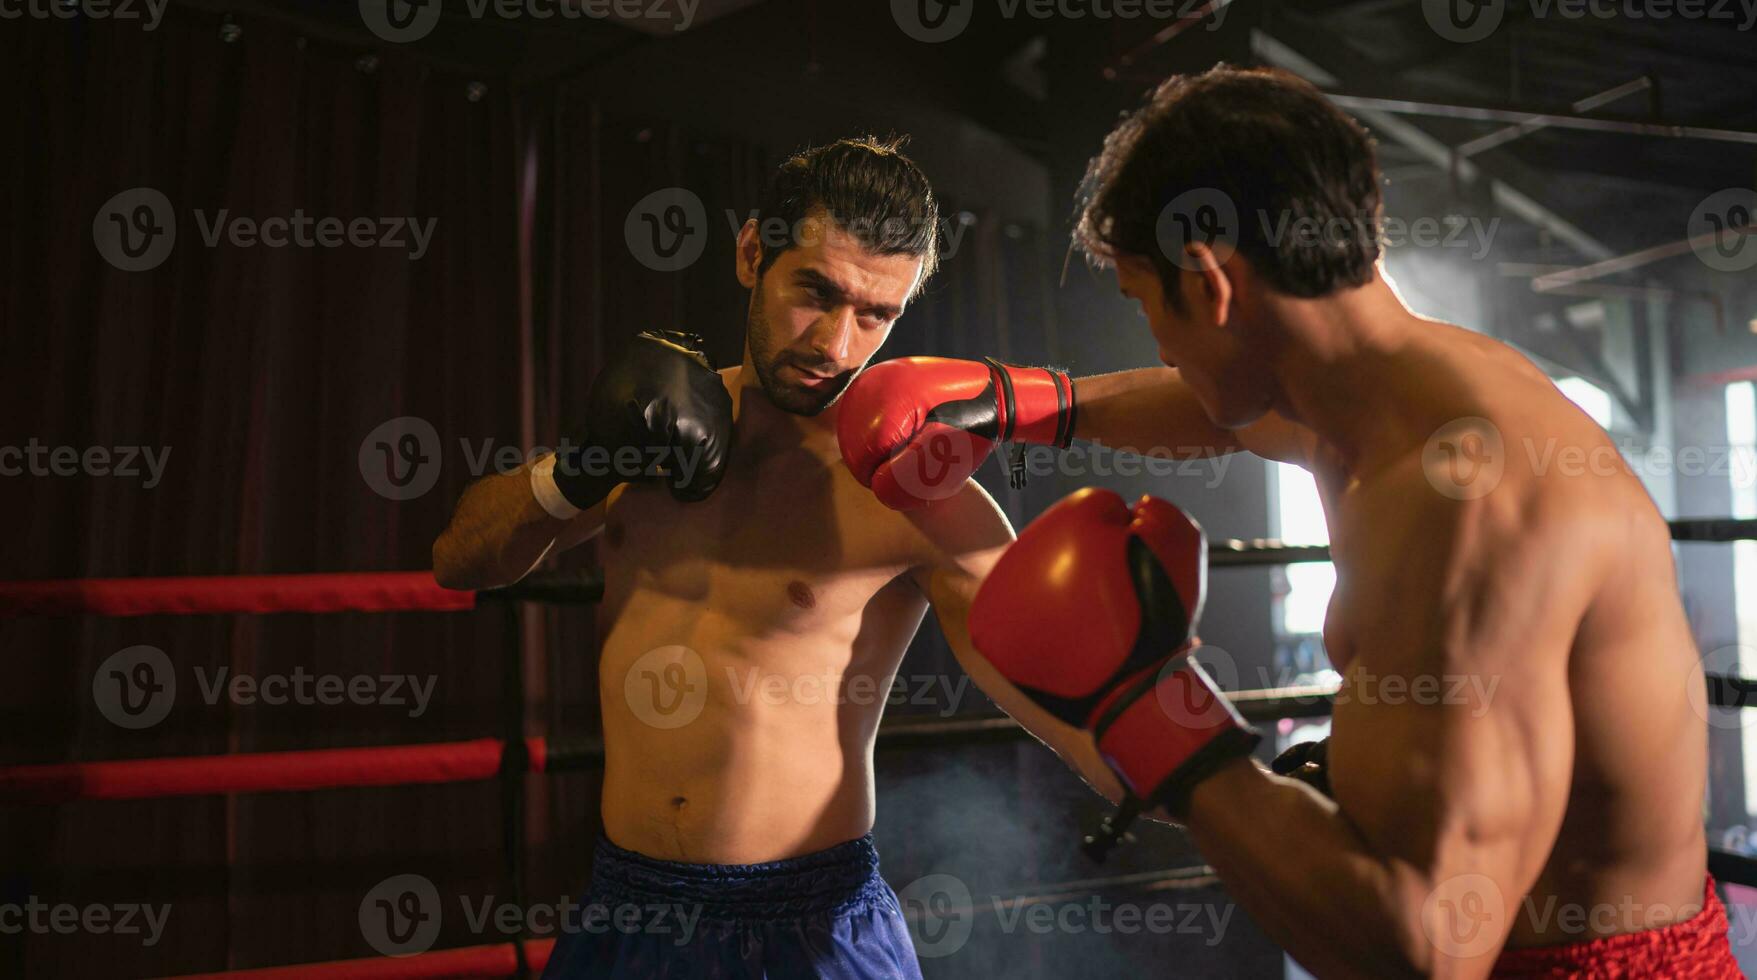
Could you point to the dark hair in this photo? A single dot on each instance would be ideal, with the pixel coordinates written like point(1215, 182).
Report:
point(867, 188)
point(1273, 146)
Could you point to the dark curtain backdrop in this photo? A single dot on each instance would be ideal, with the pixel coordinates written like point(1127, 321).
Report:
point(263, 371)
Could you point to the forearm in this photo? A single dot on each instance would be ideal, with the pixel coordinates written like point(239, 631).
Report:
point(1308, 878)
point(499, 532)
point(1150, 410)
point(1074, 747)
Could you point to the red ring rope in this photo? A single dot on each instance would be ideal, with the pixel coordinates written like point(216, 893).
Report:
point(260, 772)
point(315, 593)
point(470, 961)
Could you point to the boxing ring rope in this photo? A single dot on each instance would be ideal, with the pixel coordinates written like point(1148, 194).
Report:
point(418, 592)
point(512, 757)
point(498, 960)
point(194, 595)
point(484, 758)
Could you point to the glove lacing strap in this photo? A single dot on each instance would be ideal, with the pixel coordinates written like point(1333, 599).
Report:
point(1065, 407)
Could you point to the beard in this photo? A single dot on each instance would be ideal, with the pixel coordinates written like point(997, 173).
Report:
point(789, 397)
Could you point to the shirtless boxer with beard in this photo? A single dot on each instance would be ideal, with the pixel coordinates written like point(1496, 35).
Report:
point(1482, 526)
point(758, 598)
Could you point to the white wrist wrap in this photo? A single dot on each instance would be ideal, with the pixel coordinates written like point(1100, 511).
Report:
point(548, 494)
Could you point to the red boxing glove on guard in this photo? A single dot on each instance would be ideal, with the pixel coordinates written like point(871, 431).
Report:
point(1092, 614)
point(914, 429)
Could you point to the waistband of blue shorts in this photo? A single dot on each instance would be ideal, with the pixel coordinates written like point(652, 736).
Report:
point(835, 880)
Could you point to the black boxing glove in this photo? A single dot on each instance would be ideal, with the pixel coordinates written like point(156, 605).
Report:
point(657, 411)
point(1308, 762)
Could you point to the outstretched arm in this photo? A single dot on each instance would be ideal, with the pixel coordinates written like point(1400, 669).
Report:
point(1155, 412)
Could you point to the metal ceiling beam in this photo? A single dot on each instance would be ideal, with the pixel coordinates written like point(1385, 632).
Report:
point(1501, 137)
point(1556, 120)
point(1392, 126)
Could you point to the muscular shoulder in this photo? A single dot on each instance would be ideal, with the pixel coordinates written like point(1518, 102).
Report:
point(1476, 571)
point(967, 522)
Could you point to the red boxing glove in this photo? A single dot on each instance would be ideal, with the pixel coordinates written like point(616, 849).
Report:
point(1092, 614)
point(914, 429)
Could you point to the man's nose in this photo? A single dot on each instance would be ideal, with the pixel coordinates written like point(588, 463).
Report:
point(832, 334)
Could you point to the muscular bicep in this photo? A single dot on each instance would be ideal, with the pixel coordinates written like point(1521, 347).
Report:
point(1453, 734)
point(1155, 412)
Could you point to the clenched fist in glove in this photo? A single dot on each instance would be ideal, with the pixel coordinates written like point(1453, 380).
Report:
point(657, 412)
point(1092, 614)
point(914, 429)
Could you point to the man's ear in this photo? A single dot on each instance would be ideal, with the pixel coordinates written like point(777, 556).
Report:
point(748, 256)
point(1216, 279)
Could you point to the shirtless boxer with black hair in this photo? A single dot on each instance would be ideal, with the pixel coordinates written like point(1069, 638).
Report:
point(1434, 833)
point(757, 598)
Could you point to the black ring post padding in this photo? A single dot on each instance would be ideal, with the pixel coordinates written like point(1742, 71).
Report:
point(585, 588)
point(1267, 551)
point(1732, 867)
point(573, 753)
point(1286, 702)
point(1713, 529)
point(582, 588)
point(1266, 704)
point(1729, 691)
point(1234, 553)
point(907, 733)
point(515, 764)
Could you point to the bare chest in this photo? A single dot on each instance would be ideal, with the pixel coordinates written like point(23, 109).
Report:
point(787, 543)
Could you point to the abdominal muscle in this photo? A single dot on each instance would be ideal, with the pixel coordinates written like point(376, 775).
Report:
point(727, 746)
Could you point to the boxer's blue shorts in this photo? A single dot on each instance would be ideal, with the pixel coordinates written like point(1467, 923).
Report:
point(827, 914)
